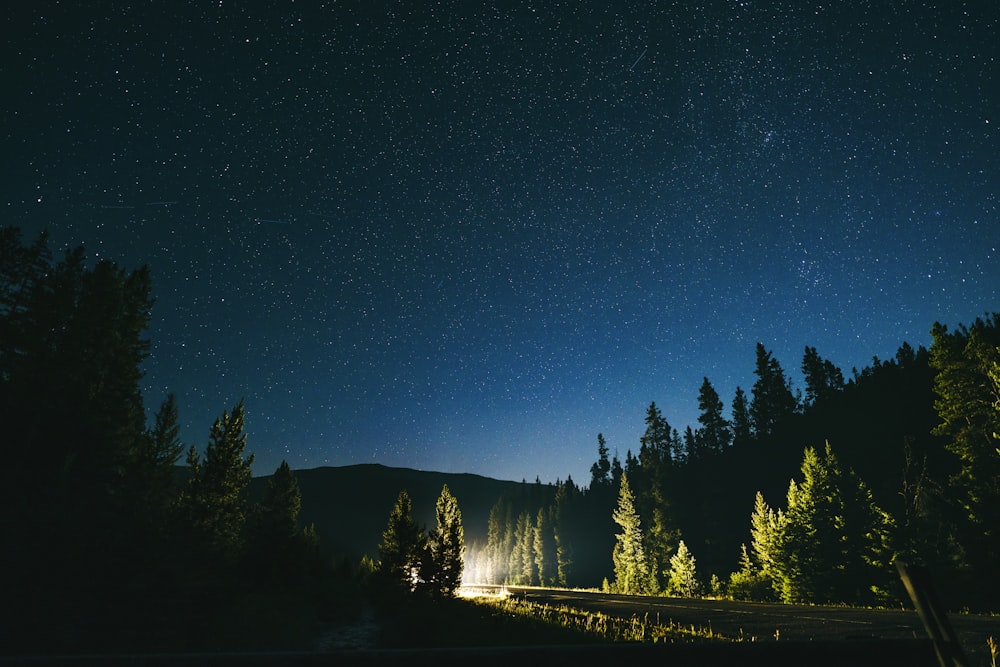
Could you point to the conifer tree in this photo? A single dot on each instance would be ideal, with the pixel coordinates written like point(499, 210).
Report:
point(822, 378)
point(691, 449)
point(834, 543)
point(968, 392)
point(600, 472)
point(566, 497)
point(772, 395)
point(447, 545)
point(278, 550)
point(659, 449)
point(529, 568)
point(741, 418)
point(496, 556)
point(215, 499)
point(655, 444)
point(617, 471)
point(545, 549)
point(682, 578)
point(165, 446)
point(402, 551)
point(766, 527)
point(152, 482)
point(278, 510)
point(522, 553)
point(714, 436)
point(631, 568)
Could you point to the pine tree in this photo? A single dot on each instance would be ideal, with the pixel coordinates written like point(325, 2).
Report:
point(279, 509)
point(741, 418)
point(617, 471)
point(600, 472)
point(402, 551)
point(152, 483)
point(529, 569)
point(565, 499)
point(833, 545)
point(278, 550)
point(682, 578)
point(691, 447)
point(631, 568)
point(545, 548)
point(659, 448)
point(772, 400)
point(165, 447)
point(655, 444)
point(766, 527)
point(823, 379)
point(215, 499)
point(496, 557)
point(967, 385)
point(714, 436)
point(447, 545)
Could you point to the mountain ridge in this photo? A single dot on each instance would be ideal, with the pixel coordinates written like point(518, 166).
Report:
point(350, 505)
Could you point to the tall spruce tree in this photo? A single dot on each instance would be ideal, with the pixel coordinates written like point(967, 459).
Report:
point(742, 429)
point(822, 378)
point(714, 436)
point(526, 552)
point(631, 567)
point(766, 526)
point(772, 399)
point(447, 546)
point(545, 548)
point(496, 557)
point(278, 550)
point(655, 449)
point(566, 500)
point(402, 552)
point(967, 385)
point(659, 448)
point(215, 497)
point(600, 472)
point(153, 483)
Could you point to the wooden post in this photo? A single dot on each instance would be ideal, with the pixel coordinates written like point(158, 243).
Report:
point(932, 613)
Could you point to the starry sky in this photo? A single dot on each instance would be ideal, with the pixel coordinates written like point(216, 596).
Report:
point(468, 237)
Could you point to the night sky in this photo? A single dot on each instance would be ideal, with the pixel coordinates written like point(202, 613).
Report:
point(468, 238)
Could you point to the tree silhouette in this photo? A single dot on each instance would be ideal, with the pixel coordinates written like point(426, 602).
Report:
point(823, 379)
point(741, 418)
point(715, 435)
point(600, 472)
point(772, 395)
point(402, 552)
point(214, 499)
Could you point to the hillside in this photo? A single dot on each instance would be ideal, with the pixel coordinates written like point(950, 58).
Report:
point(350, 505)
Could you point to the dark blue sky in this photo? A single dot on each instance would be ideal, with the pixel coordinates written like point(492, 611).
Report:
point(469, 238)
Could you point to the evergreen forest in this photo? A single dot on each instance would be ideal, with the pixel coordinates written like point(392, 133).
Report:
point(118, 537)
point(794, 496)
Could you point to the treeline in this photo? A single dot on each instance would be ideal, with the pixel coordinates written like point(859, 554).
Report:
point(107, 546)
point(899, 460)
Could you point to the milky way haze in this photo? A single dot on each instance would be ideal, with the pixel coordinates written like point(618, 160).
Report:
point(468, 239)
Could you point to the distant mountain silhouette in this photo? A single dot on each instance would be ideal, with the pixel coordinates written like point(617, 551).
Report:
point(350, 505)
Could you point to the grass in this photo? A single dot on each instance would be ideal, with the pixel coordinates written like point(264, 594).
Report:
point(595, 626)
